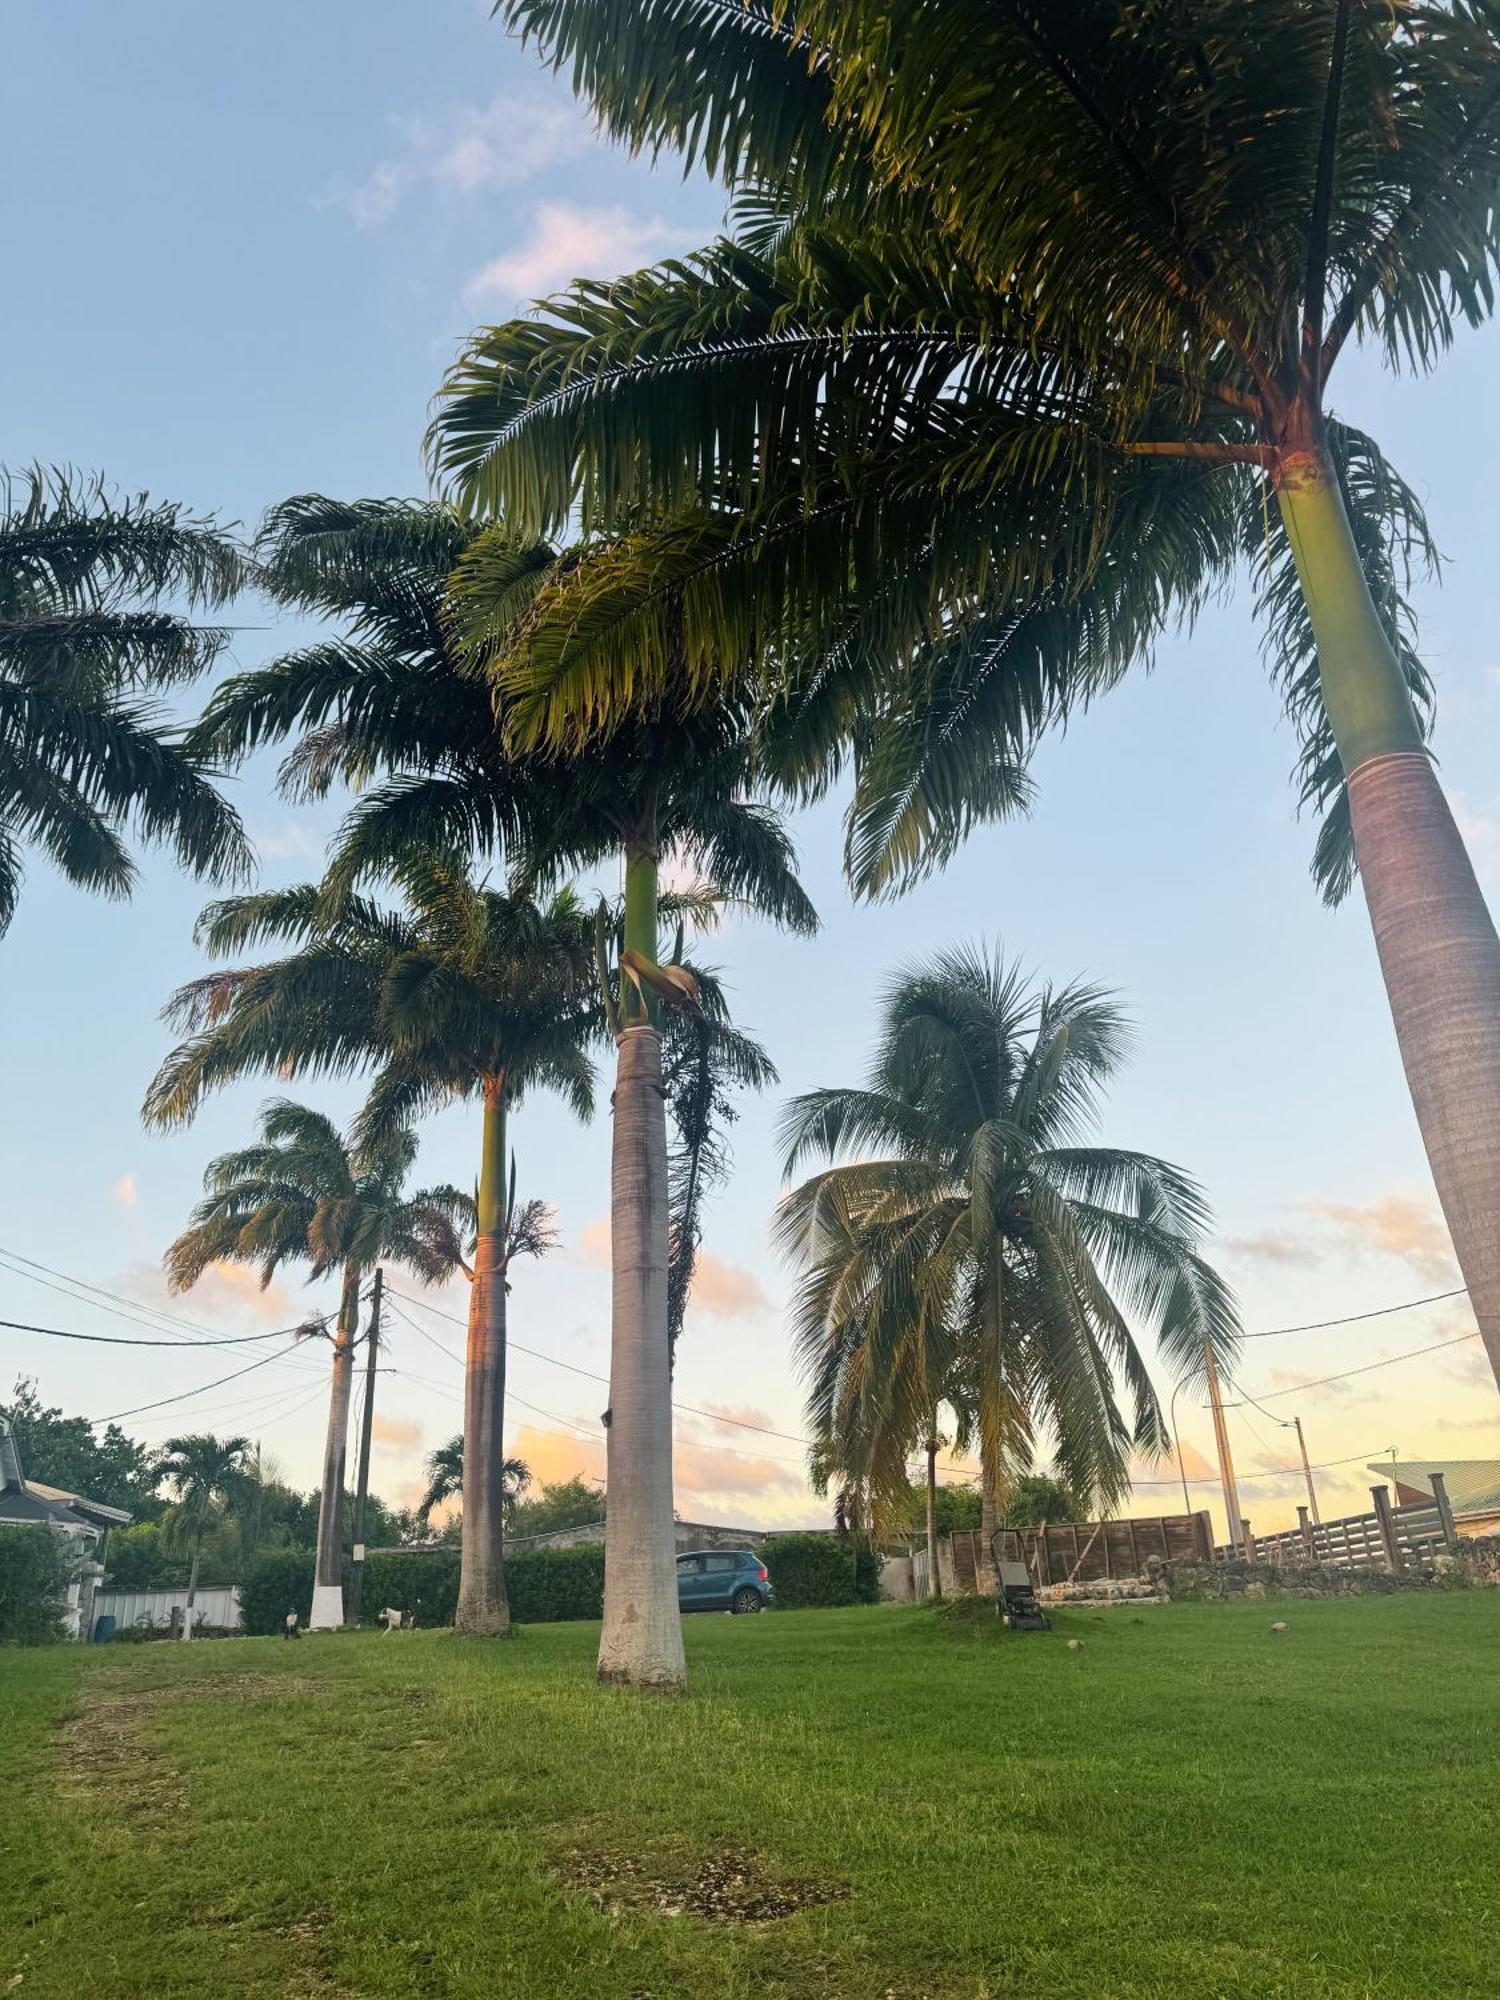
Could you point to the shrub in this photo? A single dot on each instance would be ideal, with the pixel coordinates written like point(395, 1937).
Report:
point(811, 1572)
point(547, 1586)
point(867, 1566)
point(34, 1575)
point(276, 1582)
point(423, 1584)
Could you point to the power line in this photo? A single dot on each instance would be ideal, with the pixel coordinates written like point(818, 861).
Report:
point(128, 1340)
point(1350, 1319)
point(1299, 1388)
point(188, 1394)
point(688, 1409)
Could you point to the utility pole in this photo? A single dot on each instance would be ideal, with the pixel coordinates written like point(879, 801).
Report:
point(1187, 1499)
point(1312, 1491)
point(1226, 1462)
point(362, 1489)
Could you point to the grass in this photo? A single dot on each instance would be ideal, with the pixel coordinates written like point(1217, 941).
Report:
point(1186, 1806)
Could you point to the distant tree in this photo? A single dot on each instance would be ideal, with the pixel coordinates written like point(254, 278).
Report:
point(63, 1451)
point(445, 1479)
point(209, 1476)
point(570, 1503)
point(1037, 1497)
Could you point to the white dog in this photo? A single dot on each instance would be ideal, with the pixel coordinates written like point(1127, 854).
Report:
point(392, 1620)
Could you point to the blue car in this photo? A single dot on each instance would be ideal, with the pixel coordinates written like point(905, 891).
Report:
point(722, 1580)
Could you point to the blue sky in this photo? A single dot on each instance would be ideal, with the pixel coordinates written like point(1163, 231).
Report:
point(242, 245)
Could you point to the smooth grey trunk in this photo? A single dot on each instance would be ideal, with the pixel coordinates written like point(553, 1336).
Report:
point(1441, 960)
point(483, 1607)
point(934, 1581)
point(328, 1587)
point(192, 1589)
point(989, 1515)
point(641, 1643)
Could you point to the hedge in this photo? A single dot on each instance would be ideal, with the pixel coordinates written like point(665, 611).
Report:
point(545, 1586)
point(34, 1577)
point(811, 1572)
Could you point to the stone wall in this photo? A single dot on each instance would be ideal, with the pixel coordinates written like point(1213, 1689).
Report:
point(1476, 1563)
point(688, 1535)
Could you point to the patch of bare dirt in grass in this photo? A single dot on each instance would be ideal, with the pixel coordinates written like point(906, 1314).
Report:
point(725, 1887)
point(111, 1767)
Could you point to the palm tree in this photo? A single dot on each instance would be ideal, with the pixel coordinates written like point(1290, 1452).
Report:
point(1023, 343)
point(87, 755)
point(208, 1474)
point(445, 1479)
point(412, 694)
point(469, 993)
point(977, 1237)
point(305, 1192)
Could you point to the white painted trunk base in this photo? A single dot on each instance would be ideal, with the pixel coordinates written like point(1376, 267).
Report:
point(327, 1608)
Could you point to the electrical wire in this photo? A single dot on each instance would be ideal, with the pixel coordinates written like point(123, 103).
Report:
point(1390, 1360)
point(129, 1340)
point(1350, 1319)
point(187, 1395)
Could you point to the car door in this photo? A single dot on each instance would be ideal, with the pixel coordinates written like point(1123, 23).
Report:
point(690, 1583)
point(719, 1574)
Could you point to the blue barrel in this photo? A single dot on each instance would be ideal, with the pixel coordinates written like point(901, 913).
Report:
point(104, 1627)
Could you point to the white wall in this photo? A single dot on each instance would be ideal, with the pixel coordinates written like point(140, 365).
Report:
point(219, 1607)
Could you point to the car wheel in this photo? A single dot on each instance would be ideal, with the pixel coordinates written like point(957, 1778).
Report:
point(746, 1600)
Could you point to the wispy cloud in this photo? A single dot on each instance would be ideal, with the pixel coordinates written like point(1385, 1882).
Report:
point(725, 1289)
point(125, 1191)
point(226, 1293)
point(1407, 1227)
point(287, 840)
point(469, 150)
point(396, 1433)
point(567, 240)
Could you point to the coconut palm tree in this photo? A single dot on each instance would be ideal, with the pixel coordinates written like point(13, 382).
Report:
point(412, 693)
point(1024, 341)
point(208, 1475)
point(468, 993)
point(445, 1479)
point(87, 754)
point(305, 1193)
point(978, 1236)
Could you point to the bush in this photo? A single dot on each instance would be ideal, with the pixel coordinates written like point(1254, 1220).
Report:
point(34, 1576)
point(868, 1563)
point(547, 1586)
point(276, 1582)
point(811, 1572)
point(423, 1584)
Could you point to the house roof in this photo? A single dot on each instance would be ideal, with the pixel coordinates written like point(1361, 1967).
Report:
point(1473, 1484)
point(23, 1499)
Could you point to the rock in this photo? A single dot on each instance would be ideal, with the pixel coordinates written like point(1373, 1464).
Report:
point(1075, 1645)
point(1279, 1626)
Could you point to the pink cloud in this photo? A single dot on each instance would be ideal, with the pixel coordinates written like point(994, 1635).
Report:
point(725, 1289)
point(396, 1433)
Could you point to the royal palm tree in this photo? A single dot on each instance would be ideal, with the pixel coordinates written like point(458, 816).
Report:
point(977, 1234)
point(412, 693)
point(1024, 341)
point(208, 1475)
point(468, 993)
point(445, 1479)
point(87, 753)
point(305, 1193)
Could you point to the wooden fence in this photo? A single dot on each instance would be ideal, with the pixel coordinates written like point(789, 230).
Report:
point(1388, 1538)
point(1083, 1551)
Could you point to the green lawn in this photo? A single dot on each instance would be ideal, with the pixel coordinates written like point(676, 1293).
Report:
point(1187, 1806)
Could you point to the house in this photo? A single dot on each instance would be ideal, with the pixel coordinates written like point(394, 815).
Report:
point(27, 1503)
point(1473, 1488)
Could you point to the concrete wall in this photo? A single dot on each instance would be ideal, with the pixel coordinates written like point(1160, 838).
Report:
point(688, 1535)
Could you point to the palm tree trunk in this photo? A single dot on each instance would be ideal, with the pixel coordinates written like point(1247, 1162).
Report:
point(986, 1577)
point(483, 1608)
point(1438, 949)
point(934, 1581)
point(192, 1589)
point(328, 1584)
point(641, 1643)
